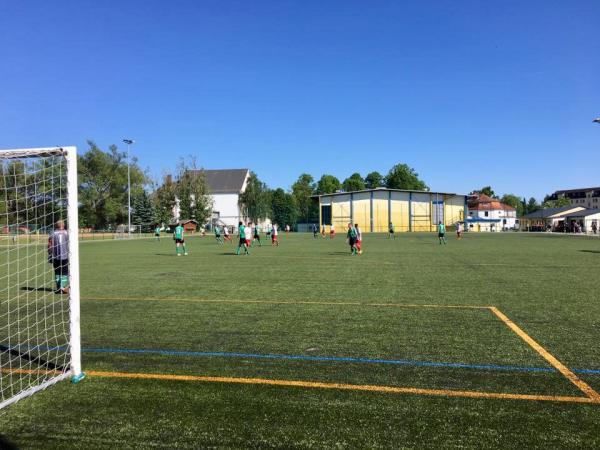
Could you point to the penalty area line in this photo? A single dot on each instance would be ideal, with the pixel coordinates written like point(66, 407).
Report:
point(343, 387)
point(276, 302)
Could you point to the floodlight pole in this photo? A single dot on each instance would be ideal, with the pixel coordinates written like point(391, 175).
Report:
point(128, 142)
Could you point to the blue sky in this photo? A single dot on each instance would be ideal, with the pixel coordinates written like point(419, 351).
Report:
point(469, 93)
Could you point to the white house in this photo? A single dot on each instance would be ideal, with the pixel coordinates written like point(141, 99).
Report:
point(225, 187)
point(490, 214)
point(550, 219)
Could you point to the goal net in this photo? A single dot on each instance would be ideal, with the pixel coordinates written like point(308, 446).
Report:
point(39, 271)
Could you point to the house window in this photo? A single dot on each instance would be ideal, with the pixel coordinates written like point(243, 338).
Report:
point(487, 213)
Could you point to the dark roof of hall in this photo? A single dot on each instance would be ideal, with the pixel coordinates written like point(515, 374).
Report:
point(224, 181)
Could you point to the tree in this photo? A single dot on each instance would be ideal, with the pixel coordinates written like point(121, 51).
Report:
point(515, 202)
point(302, 190)
point(532, 205)
point(401, 176)
point(143, 212)
point(189, 190)
point(374, 180)
point(284, 210)
point(559, 202)
point(192, 192)
point(486, 190)
point(103, 186)
point(254, 202)
point(353, 183)
point(328, 184)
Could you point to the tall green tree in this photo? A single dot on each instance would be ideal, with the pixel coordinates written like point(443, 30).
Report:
point(164, 198)
point(533, 205)
point(401, 176)
point(550, 202)
point(284, 210)
point(515, 202)
point(302, 190)
point(353, 183)
point(255, 201)
point(143, 212)
point(192, 192)
point(103, 186)
point(374, 180)
point(486, 190)
point(328, 184)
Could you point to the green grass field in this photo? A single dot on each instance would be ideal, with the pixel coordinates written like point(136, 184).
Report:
point(309, 312)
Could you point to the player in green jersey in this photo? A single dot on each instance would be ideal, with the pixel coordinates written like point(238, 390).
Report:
point(442, 233)
point(351, 235)
point(218, 234)
point(256, 235)
point(391, 230)
point(157, 233)
point(243, 242)
point(179, 240)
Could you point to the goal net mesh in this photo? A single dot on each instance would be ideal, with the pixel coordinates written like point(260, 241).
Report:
point(34, 315)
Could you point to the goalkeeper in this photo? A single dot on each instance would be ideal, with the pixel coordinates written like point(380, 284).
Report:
point(58, 256)
point(179, 241)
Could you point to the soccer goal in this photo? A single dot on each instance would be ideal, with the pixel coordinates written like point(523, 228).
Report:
point(39, 271)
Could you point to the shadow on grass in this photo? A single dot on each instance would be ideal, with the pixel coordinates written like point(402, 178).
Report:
point(36, 289)
point(5, 444)
point(590, 251)
point(31, 358)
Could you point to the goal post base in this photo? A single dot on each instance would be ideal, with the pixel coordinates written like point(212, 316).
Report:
point(77, 378)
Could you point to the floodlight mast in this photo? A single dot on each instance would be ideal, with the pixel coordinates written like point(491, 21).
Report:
point(129, 142)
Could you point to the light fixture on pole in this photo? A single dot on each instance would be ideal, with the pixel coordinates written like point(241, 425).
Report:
point(128, 142)
point(597, 120)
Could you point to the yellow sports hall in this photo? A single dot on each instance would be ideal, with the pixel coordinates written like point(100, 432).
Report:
point(375, 209)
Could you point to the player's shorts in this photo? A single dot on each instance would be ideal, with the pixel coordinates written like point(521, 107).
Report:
point(352, 241)
point(242, 241)
point(441, 235)
point(61, 266)
point(257, 236)
point(332, 232)
point(273, 237)
point(180, 241)
point(156, 234)
point(391, 231)
point(217, 235)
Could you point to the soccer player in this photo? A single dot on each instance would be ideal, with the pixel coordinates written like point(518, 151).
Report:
point(218, 234)
point(351, 235)
point(442, 233)
point(391, 231)
point(274, 240)
point(332, 231)
point(157, 233)
point(358, 239)
point(58, 256)
point(256, 235)
point(249, 234)
point(323, 232)
point(226, 236)
point(179, 240)
point(315, 230)
point(243, 242)
point(458, 230)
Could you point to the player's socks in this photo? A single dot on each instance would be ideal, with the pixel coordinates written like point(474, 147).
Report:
point(64, 280)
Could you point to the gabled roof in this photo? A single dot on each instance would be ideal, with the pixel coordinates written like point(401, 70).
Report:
point(566, 191)
point(549, 213)
point(225, 181)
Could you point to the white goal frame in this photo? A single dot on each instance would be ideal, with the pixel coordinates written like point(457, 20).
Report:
point(74, 372)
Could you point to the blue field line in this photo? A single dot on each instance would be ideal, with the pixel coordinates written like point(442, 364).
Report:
point(398, 362)
point(346, 359)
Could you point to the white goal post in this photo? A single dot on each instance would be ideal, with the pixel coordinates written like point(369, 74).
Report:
point(40, 340)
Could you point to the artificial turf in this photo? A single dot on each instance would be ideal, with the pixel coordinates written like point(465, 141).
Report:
point(309, 311)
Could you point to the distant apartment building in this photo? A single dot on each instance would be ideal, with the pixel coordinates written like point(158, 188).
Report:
point(586, 197)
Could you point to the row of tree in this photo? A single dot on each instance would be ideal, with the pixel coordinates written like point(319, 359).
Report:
point(103, 192)
point(522, 205)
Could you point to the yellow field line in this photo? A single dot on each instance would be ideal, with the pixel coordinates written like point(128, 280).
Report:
point(275, 302)
point(343, 386)
point(582, 385)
